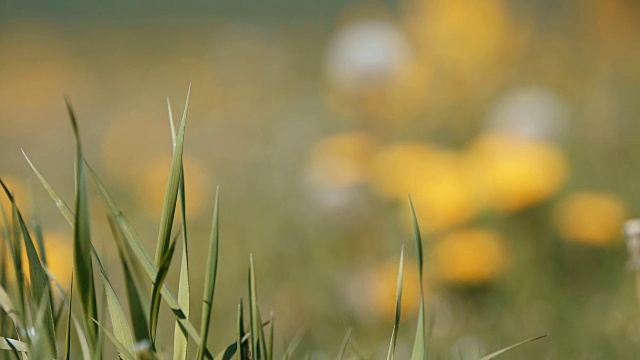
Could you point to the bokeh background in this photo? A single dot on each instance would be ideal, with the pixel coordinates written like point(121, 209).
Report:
point(512, 124)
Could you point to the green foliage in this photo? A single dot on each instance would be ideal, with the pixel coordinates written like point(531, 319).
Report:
point(28, 304)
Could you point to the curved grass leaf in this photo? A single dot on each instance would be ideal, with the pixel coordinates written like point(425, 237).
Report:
point(82, 259)
point(210, 279)
point(138, 308)
point(123, 350)
point(155, 294)
point(171, 194)
point(121, 329)
point(394, 333)
point(345, 343)
point(181, 338)
point(9, 308)
point(419, 345)
point(502, 351)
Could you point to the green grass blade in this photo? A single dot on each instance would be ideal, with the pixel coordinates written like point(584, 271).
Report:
point(123, 350)
point(210, 279)
point(155, 294)
point(16, 257)
point(62, 206)
point(171, 194)
point(253, 311)
point(121, 329)
point(502, 351)
point(345, 343)
point(9, 308)
point(145, 261)
point(419, 345)
point(13, 344)
point(138, 309)
point(40, 288)
point(82, 259)
point(271, 335)
point(293, 345)
point(242, 353)
point(396, 324)
point(41, 346)
point(67, 337)
point(181, 339)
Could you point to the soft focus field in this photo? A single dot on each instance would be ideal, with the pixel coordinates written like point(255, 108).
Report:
point(512, 125)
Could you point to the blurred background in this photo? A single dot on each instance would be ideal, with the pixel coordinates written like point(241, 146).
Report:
point(512, 124)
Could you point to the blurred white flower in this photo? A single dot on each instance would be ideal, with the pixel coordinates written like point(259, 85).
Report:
point(366, 53)
point(532, 113)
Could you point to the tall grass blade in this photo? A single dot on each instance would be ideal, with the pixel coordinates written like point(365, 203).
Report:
point(210, 279)
point(171, 194)
point(67, 337)
point(242, 352)
point(138, 308)
point(253, 312)
point(145, 261)
point(180, 339)
point(293, 345)
point(271, 335)
point(121, 329)
point(65, 210)
point(16, 256)
point(394, 334)
point(165, 262)
point(9, 308)
point(495, 354)
point(41, 346)
point(419, 345)
point(82, 243)
point(123, 350)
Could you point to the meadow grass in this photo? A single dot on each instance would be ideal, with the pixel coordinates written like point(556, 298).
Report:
point(39, 318)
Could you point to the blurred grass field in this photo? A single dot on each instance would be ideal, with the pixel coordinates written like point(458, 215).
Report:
point(511, 125)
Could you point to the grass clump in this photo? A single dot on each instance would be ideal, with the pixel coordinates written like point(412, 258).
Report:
point(32, 315)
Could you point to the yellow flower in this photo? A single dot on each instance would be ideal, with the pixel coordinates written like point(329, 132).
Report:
point(464, 36)
point(437, 180)
point(341, 160)
point(382, 290)
point(153, 182)
point(514, 173)
point(591, 218)
point(471, 257)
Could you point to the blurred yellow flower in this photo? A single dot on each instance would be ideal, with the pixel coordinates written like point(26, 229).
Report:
point(591, 218)
point(463, 36)
point(437, 180)
point(153, 182)
point(341, 160)
point(382, 291)
point(471, 256)
point(513, 173)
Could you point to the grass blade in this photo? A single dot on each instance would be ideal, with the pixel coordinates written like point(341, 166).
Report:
point(155, 294)
point(123, 350)
point(171, 194)
point(138, 309)
point(9, 308)
point(419, 345)
point(145, 261)
point(502, 351)
point(253, 311)
point(242, 353)
point(293, 345)
point(210, 279)
point(121, 329)
point(67, 338)
point(271, 330)
point(12, 344)
point(345, 343)
point(180, 339)
point(394, 334)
